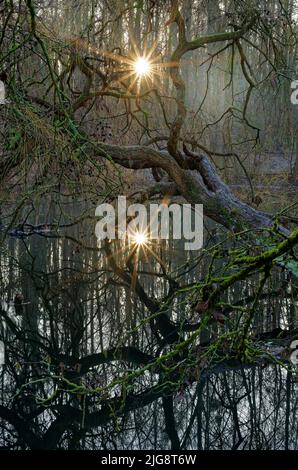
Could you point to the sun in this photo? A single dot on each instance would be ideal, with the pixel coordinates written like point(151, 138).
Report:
point(140, 238)
point(142, 66)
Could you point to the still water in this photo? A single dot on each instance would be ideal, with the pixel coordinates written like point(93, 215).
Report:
point(67, 312)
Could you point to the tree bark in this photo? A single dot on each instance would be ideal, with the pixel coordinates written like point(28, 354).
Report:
point(198, 183)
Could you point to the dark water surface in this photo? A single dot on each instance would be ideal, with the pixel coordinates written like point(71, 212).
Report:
point(73, 304)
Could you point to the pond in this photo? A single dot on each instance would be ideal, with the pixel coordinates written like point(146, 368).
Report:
point(79, 337)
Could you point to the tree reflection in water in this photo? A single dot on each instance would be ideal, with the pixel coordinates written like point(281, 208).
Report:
point(84, 327)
